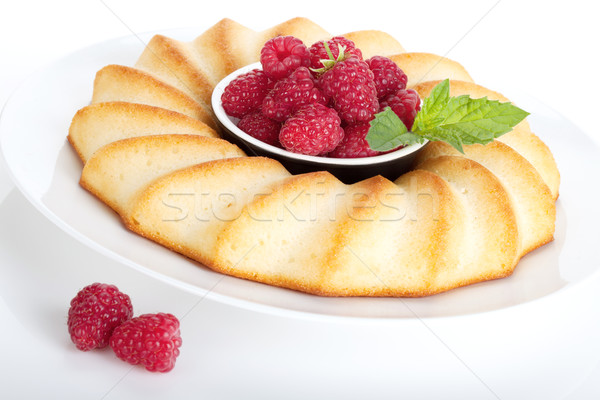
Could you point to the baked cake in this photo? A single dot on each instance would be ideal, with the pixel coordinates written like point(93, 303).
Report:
point(152, 152)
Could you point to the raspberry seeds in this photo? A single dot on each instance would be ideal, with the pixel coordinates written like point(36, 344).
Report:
point(388, 77)
point(318, 100)
point(100, 315)
point(350, 87)
point(405, 103)
point(246, 93)
point(313, 130)
point(281, 55)
point(95, 313)
point(339, 44)
point(291, 93)
point(152, 340)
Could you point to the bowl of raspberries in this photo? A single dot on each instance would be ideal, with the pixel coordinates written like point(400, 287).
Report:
point(311, 108)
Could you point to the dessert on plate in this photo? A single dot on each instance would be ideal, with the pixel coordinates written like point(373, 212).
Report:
point(152, 152)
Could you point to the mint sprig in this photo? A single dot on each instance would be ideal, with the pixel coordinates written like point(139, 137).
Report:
point(458, 121)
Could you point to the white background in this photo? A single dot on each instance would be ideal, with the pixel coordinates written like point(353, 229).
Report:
point(545, 49)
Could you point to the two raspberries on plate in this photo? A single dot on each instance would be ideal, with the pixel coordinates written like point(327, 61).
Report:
point(318, 100)
point(101, 315)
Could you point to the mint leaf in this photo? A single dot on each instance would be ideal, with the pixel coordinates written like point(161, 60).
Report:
point(470, 121)
point(388, 132)
point(458, 121)
point(449, 136)
point(486, 115)
point(431, 113)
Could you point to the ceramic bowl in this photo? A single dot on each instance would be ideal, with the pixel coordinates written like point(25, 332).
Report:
point(348, 170)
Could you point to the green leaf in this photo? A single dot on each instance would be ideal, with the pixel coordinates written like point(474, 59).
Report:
point(449, 136)
point(458, 121)
point(387, 132)
point(431, 113)
point(470, 121)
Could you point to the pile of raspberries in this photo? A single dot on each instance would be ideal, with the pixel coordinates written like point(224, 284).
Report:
point(318, 100)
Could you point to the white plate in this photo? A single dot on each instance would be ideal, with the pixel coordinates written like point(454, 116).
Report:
point(34, 126)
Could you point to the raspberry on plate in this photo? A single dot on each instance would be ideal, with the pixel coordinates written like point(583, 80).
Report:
point(350, 86)
point(291, 93)
point(354, 144)
point(257, 125)
point(152, 340)
point(95, 312)
point(318, 51)
point(245, 93)
point(389, 78)
point(281, 55)
point(405, 103)
point(313, 130)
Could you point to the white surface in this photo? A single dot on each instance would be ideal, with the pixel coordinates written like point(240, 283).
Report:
point(230, 352)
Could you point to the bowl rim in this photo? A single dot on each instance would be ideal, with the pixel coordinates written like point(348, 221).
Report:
point(229, 124)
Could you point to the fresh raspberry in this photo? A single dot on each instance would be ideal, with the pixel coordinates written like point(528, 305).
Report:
point(389, 78)
point(318, 51)
point(354, 144)
point(350, 87)
point(313, 130)
point(245, 93)
point(257, 125)
point(281, 55)
point(152, 340)
point(291, 93)
point(405, 103)
point(95, 312)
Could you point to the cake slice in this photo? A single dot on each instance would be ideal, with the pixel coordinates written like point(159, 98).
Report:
point(179, 64)
point(537, 153)
point(119, 170)
point(99, 124)
point(121, 83)
point(530, 197)
point(490, 244)
point(300, 27)
point(424, 67)
point(398, 238)
point(374, 43)
point(187, 209)
point(283, 239)
point(225, 47)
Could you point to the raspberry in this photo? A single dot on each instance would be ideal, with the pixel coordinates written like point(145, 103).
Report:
point(389, 78)
point(152, 340)
point(257, 125)
point(350, 87)
point(245, 93)
point(291, 93)
point(313, 130)
point(405, 103)
point(354, 144)
point(318, 51)
point(95, 312)
point(281, 55)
